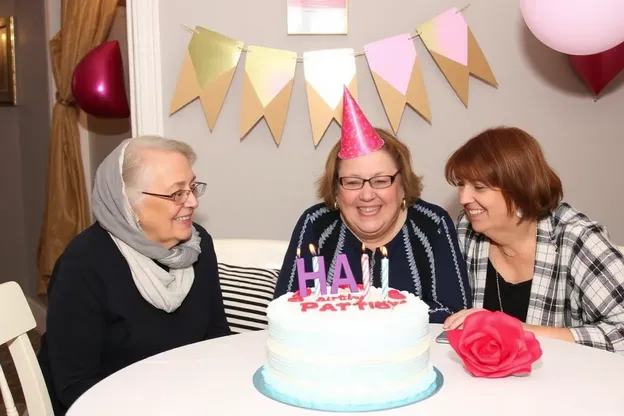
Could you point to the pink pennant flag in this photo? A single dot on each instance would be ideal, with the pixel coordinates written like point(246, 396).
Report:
point(454, 48)
point(392, 59)
point(395, 68)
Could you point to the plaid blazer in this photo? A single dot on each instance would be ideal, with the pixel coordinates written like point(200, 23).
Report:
point(578, 279)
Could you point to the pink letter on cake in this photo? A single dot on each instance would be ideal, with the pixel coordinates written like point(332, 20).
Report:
point(343, 264)
point(313, 275)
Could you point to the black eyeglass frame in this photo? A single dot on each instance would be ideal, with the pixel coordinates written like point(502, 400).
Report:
point(369, 180)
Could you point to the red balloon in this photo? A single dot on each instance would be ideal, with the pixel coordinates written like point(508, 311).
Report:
point(98, 83)
point(599, 69)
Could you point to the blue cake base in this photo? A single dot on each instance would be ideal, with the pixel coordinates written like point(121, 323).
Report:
point(263, 388)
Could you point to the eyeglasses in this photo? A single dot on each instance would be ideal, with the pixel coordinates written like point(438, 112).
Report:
point(377, 182)
point(181, 196)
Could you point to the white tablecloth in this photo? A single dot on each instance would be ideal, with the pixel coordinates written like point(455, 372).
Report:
point(215, 378)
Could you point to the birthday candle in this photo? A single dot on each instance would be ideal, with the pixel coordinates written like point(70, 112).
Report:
point(384, 273)
point(366, 277)
point(303, 291)
point(315, 267)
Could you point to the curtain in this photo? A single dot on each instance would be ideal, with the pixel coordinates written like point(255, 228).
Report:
point(84, 25)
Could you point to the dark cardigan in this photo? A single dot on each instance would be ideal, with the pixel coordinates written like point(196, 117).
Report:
point(424, 257)
point(98, 322)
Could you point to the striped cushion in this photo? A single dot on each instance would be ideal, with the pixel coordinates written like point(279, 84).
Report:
point(247, 292)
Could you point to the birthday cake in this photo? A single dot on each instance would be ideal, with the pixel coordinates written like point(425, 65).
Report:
point(353, 348)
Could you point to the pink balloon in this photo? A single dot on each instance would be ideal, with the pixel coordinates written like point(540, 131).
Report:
point(576, 27)
point(98, 83)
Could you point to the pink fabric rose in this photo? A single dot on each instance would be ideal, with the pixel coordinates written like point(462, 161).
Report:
point(494, 344)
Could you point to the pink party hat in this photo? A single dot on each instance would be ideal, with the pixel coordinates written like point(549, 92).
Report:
point(359, 137)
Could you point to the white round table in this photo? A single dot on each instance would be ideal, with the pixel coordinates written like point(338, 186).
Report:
point(215, 378)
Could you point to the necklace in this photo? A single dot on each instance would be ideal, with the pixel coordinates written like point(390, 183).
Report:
point(520, 253)
point(500, 301)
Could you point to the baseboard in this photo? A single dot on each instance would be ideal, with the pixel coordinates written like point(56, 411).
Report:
point(40, 312)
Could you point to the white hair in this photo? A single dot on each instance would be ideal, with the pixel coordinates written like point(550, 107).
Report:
point(134, 169)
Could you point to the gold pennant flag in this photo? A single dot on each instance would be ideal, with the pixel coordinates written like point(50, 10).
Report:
point(207, 72)
point(327, 72)
point(456, 51)
point(267, 87)
point(395, 68)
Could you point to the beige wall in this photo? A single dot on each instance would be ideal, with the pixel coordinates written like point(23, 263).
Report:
point(34, 123)
point(11, 209)
point(25, 136)
point(103, 135)
point(24, 147)
point(259, 191)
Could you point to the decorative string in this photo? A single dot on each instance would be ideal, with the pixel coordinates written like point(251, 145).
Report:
point(300, 58)
point(66, 103)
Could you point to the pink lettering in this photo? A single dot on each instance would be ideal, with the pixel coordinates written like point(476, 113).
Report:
point(327, 307)
point(308, 305)
point(343, 305)
point(382, 305)
point(295, 298)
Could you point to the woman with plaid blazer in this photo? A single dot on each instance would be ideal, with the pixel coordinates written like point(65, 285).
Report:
point(527, 253)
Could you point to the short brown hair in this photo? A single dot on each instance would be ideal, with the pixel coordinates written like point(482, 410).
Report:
point(510, 159)
point(327, 185)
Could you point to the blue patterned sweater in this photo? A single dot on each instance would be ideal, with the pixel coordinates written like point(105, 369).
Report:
point(424, 257)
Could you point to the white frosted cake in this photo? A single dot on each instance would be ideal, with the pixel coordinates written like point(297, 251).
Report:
point(336, 350)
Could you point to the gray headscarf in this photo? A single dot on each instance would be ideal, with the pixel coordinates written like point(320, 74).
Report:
point(112, 210)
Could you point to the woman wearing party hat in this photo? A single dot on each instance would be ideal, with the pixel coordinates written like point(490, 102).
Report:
point(371, 200)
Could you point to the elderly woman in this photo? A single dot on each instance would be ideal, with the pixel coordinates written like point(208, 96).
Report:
point(528, 254)
point(141, 280)
point(372, 198)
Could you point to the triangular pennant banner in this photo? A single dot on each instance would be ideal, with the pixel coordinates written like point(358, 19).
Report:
point(267, 87)
point(327, 72)
point(187, 88)
point(207, 72)
point(456, 51)
point(395, 67)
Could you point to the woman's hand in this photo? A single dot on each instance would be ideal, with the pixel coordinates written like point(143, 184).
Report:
point(457, 319)
point(551, 332)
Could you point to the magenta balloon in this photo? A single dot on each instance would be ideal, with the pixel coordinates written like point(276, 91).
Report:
point(576, 27)
point(98, 83)
point(600, 69)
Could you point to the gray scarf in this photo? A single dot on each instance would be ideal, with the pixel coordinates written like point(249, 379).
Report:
point(164, 290)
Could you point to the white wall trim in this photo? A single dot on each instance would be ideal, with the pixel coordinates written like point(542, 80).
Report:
point(146, 105)
point(40, 312)
point(53, 24)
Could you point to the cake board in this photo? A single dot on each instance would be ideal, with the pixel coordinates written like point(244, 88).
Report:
point(264, 389)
